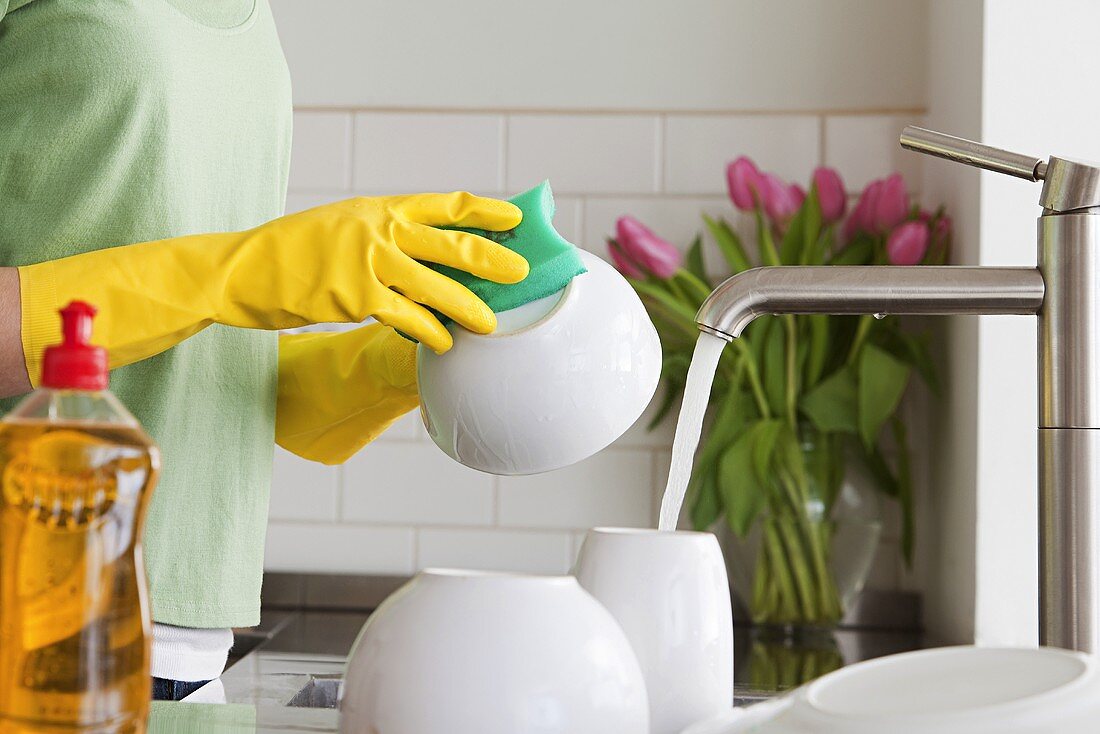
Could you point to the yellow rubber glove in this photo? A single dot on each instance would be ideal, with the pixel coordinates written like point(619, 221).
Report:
point(339, 391)
point(338, 262)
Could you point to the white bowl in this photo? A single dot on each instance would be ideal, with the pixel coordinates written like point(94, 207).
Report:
point(560, 378)
point(951, 690)
point(669, 592)
point(467, 652)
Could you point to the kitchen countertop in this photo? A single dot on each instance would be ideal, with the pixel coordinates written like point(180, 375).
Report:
point(299, 656)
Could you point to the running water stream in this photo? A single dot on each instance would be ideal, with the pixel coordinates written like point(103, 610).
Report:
point(689, 425)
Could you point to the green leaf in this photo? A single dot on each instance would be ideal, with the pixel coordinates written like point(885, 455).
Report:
point(860, 251)
point(913, 350)
point(818, 327)
point(833, 406)
point(673, 305)
point(693, 289)
point(811, 226)
point(766, 437)
point(880, 471)
point(775, 370)
point(693, 260)
point(743, 494)
point(729, 244)
point(790, 247)
point(708, 503)
point(765, 242)
point(882, 381)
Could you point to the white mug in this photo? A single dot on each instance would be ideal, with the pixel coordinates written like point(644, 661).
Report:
point(670, 594)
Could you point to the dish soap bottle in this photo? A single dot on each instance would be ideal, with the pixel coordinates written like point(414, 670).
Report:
point(76, 472)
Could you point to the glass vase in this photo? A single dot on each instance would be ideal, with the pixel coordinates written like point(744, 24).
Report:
point(803, 562)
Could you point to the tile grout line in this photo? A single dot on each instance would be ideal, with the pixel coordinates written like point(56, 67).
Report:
point(821, 140)
point(624, 112)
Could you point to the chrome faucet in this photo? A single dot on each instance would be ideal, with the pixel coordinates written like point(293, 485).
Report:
point(1062, 291)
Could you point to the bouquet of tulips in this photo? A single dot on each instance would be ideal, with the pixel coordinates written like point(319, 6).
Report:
point(796, 397)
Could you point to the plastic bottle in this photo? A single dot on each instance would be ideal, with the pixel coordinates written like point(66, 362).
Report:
point(76, 472)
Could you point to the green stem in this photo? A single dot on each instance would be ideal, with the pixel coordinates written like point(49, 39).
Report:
point(862, 330)
point(754, 378)
point(692, 281)
point(786, 609)
point(807, 597)
point(792, 370)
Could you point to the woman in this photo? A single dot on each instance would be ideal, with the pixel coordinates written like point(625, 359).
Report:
point(167, 123)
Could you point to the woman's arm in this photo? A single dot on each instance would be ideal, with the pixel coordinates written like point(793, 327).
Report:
point(13, 369)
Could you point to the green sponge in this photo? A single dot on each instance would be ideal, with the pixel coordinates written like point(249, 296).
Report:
point(553, 260)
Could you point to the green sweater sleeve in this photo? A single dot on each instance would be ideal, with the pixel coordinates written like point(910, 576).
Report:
point(7, 6)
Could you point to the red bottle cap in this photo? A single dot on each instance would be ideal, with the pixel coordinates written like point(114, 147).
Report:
point(74, 364)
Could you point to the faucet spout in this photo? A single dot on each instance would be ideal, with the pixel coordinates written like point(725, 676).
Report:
point(839, 290)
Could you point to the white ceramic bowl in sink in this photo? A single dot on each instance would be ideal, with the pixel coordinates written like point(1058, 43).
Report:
point(469, 652)
point(950, 690)
point(560, 379)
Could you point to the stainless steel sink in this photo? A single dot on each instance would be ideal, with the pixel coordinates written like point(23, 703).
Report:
point(321, 692)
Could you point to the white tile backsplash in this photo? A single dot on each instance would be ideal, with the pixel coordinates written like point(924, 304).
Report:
point(302, 490)
point(401, 504)
point(865, 147)
point(321, 155)
point(698, 147)
point(339, 548)
point(495, 550)
point(584, 153)
point(408, 427)
point(406, 483)
point(411, 152)
point(614, 487)
point(567, 217)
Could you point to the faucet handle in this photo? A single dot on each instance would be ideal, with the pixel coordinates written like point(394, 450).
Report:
point(971, 153)
point(1069, 185)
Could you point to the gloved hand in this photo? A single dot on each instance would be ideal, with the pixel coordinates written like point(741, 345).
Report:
point(339, 391)
point(338, 262)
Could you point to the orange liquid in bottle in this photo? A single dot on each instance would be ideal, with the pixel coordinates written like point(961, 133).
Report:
point(74, 636)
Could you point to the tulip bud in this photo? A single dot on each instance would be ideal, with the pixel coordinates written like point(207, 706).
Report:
point(645, 248)
point(830, 194)
point(622, 262)
point(744, 182)
point(862, 217)
point(891, 205)
point(908, 243)
point(780, 200)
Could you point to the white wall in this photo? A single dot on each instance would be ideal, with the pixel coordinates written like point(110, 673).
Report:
point(607, 55)
point(635, 116)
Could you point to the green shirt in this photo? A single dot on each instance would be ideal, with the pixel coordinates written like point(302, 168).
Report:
point(124, 121)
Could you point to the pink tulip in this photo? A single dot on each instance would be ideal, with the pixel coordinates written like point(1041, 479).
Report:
point(862, 217)
point(780, 200)
point(622, 262)
point(891, 205)
point(830, 194)
point(942, 229)
point(643, 247)
point(744, 182)
point(908, 243)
